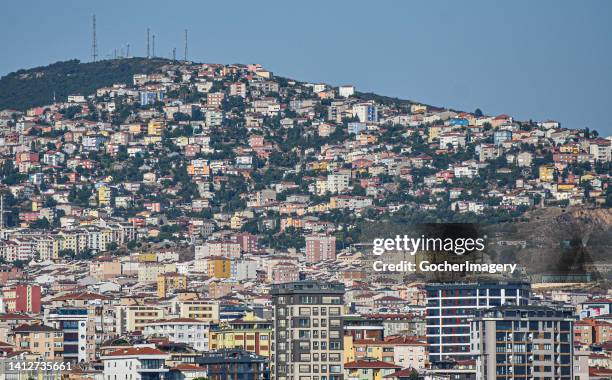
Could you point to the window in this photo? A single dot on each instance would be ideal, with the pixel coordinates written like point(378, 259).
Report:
point(308, 300)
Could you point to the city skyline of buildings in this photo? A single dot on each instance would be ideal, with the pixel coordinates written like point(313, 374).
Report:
point(201, 220)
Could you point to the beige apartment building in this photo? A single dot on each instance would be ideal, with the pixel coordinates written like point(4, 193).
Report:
point(39, 339)
point(202, 310)
point(136, 317)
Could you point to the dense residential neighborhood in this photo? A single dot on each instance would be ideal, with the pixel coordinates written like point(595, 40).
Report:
point(203, 220)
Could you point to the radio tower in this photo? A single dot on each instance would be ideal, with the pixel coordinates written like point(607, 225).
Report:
point(148, 48)
point(185, 44)
point(127, 54)
point(174, 54)
point(154, 46)
point(94, 43)
point(1, 211)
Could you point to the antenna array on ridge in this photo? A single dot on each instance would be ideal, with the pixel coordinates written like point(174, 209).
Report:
point(94, 43)
point(185, 57)
point(148, 47)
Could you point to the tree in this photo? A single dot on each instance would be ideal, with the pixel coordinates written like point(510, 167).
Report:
point(9, 174)
point(478, 112)
point(40, 224)
point(68, 253)
point(132, 244)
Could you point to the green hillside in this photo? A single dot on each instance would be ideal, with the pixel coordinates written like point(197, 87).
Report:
point(35, 87)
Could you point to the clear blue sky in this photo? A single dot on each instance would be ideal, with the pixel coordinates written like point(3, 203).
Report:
point(531, 59)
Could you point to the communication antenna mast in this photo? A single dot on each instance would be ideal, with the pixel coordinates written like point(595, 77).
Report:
point(148, 48)
point(185, 44)
point(94, 42)
point(174, 54)
point(154, 46)
point(1, 211)
point(127, 54)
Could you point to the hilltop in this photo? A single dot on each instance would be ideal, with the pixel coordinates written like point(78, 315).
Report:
point(37, 86)
point(34, 87)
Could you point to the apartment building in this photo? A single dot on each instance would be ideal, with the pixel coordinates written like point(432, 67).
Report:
point(249, 333)
point(308, 331)
point(135, 363)
point(320, 247)
point(523, 342)
point(366, 112)
point(451, 305)
point(234, 364)
point(338, 182)
point(136, 317)
point(192, 332)
point(225, 248)
point(43, 340)
point(78, 332)
point(203, 310)
point(170, 282)
point(21, 298)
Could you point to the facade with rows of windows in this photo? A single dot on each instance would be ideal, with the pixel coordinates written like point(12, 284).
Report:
point(308, 331)
point(450, 306)
point(523, 342)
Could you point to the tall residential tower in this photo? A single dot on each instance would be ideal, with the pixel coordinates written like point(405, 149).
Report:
point(308, 331)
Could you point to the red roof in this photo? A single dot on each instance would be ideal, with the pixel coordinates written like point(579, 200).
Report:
point(188, 367)
point(403, 373)
point(136, 351)
point(405, 340)
point(597, 371)
point(370, 364)
point(14, 316)
point(81, 296)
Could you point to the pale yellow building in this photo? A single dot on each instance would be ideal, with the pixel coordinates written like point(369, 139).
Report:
point(156, 127)
point(169, 282)
point(546, 173)
point(105, 195)
point(249, 333)
point(204, 310)
point(136, 317)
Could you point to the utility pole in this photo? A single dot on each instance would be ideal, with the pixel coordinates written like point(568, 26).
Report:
point(94, 42)
point(185, 58)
